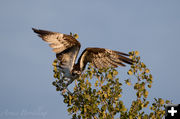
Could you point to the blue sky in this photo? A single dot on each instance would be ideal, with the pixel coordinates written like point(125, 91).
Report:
point(151, 27)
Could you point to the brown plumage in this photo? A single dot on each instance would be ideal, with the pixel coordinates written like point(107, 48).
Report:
point(67, 48)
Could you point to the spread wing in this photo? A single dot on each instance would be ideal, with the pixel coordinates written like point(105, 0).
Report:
point(65, 46)
point(101, 58)
point(58, 41)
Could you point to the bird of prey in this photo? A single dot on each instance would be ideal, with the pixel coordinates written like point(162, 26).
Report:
point(67, 48)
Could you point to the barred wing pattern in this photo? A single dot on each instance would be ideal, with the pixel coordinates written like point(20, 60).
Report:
point(101, 58)
point(58, 41)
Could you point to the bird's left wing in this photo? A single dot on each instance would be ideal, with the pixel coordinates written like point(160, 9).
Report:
point(102, 58)
point(58, 41)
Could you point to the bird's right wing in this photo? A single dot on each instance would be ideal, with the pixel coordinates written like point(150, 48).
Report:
point(103, 58)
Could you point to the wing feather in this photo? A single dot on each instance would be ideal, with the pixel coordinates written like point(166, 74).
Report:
point(102, 58)
point(105, 62)
point(58, 41)
point(111, 62)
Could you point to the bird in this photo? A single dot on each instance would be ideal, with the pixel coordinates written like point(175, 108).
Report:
point(67, 48)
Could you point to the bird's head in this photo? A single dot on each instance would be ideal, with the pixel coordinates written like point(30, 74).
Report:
point(76, 73)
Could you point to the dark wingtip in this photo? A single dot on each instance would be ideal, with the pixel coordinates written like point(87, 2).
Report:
point(126, 60)
point(35, 30)
point(42, 32)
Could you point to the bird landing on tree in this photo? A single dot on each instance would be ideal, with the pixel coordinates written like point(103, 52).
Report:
point(67, 48)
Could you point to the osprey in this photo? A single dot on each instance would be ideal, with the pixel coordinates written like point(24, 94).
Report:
point(67, 48)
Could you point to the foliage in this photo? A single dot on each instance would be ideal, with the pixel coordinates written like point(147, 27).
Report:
point(97, 93)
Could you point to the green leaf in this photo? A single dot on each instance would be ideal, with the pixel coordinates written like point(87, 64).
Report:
point(115, 73)
point(96, 84)
point(130, 72)
point(109, 76)
point(136, 53)
point(128, 82)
